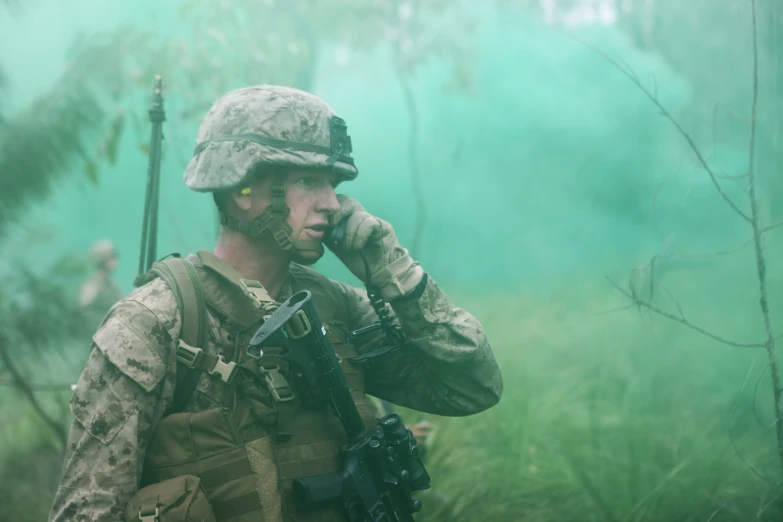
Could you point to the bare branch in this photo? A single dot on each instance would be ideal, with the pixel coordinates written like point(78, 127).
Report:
point(772, 227)
point(684, 322)
point(628, 70)
point(735, 177)
point(727, 251)
point(713, 254)
point(676, 302)
point(668, 116)
point(615, 310)
point(761, 263)
point(413, 158)
point(755, 395)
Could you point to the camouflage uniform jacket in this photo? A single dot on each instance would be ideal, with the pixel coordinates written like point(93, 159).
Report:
point(446, 368)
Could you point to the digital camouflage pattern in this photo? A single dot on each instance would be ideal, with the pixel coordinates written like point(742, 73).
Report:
point(274, 112)
point(446, 368)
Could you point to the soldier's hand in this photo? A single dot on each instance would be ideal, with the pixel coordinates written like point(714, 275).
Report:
point(391, 267)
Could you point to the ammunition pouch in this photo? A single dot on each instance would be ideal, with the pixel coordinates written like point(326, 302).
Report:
point(180, 499)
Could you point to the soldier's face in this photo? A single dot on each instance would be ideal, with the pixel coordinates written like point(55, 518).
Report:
point(310, 198)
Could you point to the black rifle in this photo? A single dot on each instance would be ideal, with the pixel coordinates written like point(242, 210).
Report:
point(380, 468)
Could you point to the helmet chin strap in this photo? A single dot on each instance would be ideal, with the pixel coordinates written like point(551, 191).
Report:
point(273, 221)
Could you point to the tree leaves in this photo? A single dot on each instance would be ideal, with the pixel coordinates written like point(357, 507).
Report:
point(41, 143)
point(91, 172)
point(112, 139)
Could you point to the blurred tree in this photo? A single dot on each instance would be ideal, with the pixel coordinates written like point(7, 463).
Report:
point(42, 142)
point(38, 314)
point(690, 37)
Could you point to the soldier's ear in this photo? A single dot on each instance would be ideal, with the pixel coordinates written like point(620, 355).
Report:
point(243, 197)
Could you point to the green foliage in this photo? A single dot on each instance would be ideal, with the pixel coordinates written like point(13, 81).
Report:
point(610, 418)
point(30, 457)
point(38, 310)
point(44, 335)
point(39, 144)
point(42, 143)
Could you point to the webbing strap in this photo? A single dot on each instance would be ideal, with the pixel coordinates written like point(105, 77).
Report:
point(181, 277)
point(339, 150)
point(236, 506)
point(309, 467)
point(273, 220)
point(198, 359)
point(226, 473)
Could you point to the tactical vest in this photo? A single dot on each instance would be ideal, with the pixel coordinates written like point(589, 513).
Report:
point(243, 457)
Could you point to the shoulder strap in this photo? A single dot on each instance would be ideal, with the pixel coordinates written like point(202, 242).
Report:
point(181, 277)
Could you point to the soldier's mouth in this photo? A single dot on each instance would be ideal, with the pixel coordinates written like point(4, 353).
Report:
point(317, 230)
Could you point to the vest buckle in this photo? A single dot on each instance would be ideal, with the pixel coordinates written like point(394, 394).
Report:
point(277, 384)
point(146, 516)
point(198, 359)
point(225, 370)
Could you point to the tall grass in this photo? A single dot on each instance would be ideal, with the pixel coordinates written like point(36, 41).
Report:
point(612, 417)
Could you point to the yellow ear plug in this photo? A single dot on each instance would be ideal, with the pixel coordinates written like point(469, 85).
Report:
point(246, 191)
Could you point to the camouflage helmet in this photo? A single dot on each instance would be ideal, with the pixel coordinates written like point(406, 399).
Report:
point(267, 125)
point(101, 252)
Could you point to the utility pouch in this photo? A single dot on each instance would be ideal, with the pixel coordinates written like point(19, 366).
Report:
point(179, 499)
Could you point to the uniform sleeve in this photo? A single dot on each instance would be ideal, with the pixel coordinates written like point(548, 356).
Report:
point(446, 367)
point(121, 395)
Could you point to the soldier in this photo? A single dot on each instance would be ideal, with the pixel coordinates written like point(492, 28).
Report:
point(100, 292)
point(142, 448)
